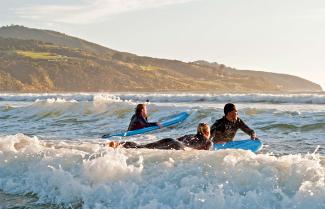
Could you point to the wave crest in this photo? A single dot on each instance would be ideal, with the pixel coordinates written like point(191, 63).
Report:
point(66, 173)
point(314, 98)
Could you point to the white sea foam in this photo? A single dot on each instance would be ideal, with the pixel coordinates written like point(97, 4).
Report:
point(65, 164)
point(34, 96)
point(313, 98)
point(223, 98)
point(109, 98)
point(99, 177)
point(55, 100)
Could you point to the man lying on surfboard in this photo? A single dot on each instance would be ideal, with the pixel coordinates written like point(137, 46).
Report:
point(140, 119)
point(224, 129)
point(200, 141)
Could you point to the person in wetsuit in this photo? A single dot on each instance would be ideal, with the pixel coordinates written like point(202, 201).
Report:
point(139, 119)
point(200, 141)
point(224, 129)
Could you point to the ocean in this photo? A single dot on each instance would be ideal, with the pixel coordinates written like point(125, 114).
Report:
point(52, 154)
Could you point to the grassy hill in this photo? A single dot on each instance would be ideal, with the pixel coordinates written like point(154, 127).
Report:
point(33, 60)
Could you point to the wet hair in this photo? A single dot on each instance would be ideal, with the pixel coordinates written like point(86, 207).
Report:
point(139, 108)
point(203, 128)
point(228, 108)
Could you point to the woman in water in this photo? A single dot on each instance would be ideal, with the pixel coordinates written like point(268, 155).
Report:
point(140, 119)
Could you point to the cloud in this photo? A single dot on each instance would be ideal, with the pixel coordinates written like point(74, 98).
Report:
point(88, 11)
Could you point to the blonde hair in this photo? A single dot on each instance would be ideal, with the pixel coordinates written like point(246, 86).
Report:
point(203, 128)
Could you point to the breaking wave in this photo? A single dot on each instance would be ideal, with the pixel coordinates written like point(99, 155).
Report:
point(90, 175)
point(315, 98)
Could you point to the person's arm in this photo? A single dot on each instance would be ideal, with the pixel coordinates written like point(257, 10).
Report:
point(213, 130)
point(218, 137)
point(148, 124)
point(217, 133)
point(144, 122)
point(139, 122)
point(159, 124)
point(204, 144)
point(195, 142)
point(246, 129)
point(209, 145)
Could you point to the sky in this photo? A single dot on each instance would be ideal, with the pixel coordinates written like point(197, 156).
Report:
point(281, 36)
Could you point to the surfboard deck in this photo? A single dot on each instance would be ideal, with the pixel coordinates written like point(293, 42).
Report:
point(252, 145)
point(175, 119)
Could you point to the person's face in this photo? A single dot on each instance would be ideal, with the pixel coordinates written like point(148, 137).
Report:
point(232, 116)
point(207, 134)
point(145, 111)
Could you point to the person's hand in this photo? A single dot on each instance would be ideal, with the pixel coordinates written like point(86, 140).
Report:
point(220, 142)
point(160, 126)
point(113, 144)
point(253, 136)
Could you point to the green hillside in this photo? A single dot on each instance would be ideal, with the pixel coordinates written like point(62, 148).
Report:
point(34, 60)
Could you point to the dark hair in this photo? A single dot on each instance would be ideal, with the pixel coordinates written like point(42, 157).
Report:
point(139, 108)
point(228, 108)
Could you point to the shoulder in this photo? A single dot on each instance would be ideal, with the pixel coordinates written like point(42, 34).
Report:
point(219, 122)
point(136, 117)
point(201, 137)
point(239, 120)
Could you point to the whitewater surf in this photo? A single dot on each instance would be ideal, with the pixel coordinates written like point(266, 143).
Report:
point(52, 156)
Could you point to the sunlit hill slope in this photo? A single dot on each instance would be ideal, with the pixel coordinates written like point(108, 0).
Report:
point(34, 60)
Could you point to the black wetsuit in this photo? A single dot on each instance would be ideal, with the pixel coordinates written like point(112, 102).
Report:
point(138, 122)
point(197, 141)
point(225, 130)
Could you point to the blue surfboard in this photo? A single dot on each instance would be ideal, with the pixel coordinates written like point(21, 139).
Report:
point(172, 121)
point(252, 145)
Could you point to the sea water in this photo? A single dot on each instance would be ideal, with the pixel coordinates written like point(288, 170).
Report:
point(52, 156)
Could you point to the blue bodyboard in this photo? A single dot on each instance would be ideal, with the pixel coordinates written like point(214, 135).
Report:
point(172, 121)
point(252, 145)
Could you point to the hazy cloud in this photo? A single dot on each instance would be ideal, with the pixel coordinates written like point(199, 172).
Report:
point(88, 11)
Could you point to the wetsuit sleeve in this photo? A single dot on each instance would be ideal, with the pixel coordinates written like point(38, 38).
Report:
point(167, 143)
point(145, 123)
point(138, 122)
point(216, 131)
point(209, 145)
point(129, 145)
point(213, 129)
point(245, 128)
point(203, 145)
point(196, 142)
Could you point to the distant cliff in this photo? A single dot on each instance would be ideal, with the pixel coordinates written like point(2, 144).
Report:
point(33, 60)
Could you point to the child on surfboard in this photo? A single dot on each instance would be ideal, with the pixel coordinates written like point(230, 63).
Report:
point(200, 141)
